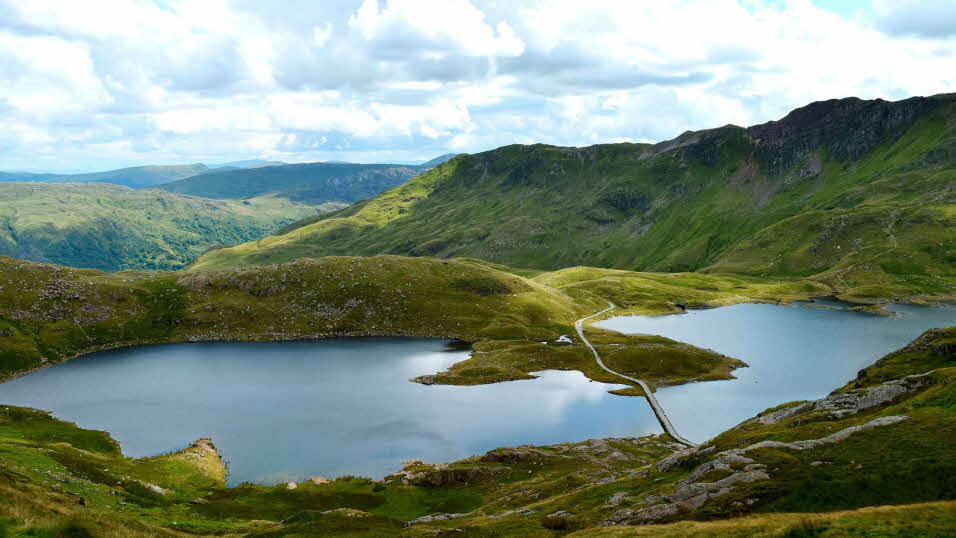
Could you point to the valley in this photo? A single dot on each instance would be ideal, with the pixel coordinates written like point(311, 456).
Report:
point(371, 268)
point(110, 227)
point(440, 355)
point(98, 221)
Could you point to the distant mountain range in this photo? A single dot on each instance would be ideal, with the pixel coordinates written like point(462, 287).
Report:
point(250, 163)
point(104, 224)
point(858, 193)
point(313, 183)
point(136, 177)
point(438, 160)
point(150, 176)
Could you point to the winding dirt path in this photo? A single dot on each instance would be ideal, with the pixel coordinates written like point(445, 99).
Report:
point(651, 399)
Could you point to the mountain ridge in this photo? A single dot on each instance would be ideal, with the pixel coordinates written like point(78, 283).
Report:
point(135, 176)
point(306, 182)
point(680, 205)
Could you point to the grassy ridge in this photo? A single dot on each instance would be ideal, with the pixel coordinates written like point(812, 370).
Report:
point(822, 192)
point(112, 227)
point(50, 313)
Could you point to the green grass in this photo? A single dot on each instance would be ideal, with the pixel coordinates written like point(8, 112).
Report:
point(930, 519)
point(112, 228)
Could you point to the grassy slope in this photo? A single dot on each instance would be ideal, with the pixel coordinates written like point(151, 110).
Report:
point(313, 183)
point(715, 199)
point(54, 475)
point(112, 227)
point(921, 519)
point(50, 313)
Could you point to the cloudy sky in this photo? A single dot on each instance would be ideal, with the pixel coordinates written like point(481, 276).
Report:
point(94, 85)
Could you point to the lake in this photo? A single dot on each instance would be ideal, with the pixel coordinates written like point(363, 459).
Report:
point(283, 411)
point(280, 411)
point(795, 352)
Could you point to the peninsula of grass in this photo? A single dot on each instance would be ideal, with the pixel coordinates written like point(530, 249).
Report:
point(50, 313)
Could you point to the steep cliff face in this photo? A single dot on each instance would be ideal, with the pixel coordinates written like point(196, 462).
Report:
point(847, 129)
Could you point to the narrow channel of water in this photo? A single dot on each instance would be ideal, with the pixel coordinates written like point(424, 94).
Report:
point(794, 352)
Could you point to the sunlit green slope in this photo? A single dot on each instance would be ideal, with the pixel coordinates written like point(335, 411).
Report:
point(112, 227)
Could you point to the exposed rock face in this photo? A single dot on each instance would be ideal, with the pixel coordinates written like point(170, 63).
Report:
point(839, 405)
point(433, 517)
point(677, 457)
point(641, 517)
point(614, 500)
point(847, 128)
point(504, 455)
point(691, 493)
point(834, 438)
point(438, 476)
point(154, 488)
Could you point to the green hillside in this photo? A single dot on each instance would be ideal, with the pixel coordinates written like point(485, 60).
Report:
point(50, 313)
point(313, 183)
point(112, 227)
point(858, 194)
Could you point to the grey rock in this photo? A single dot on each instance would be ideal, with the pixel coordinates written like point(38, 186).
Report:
point(433, 517)
point(641, 517)
point(614, 500)
point(675, 459)
point(843, 404)
point(812, 443)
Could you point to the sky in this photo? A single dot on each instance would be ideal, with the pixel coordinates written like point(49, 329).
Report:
point(96, 85)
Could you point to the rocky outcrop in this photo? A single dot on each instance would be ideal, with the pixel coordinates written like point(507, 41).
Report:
point(692, 492)
point(614, 500)
point(653, 514)
point(431, 518)
point(847, 128)
point(833, 438)
point(440, 475)
point(843, 404)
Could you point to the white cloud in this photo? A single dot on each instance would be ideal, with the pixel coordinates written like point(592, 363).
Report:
point(101, 84)
point(321, 34)
point(434, 28)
